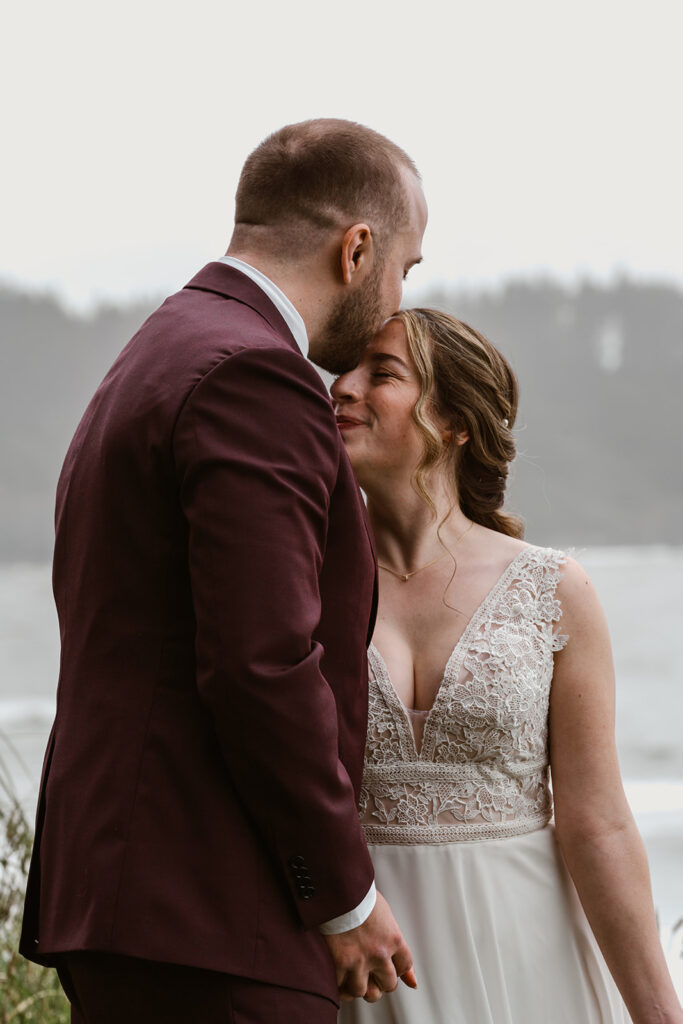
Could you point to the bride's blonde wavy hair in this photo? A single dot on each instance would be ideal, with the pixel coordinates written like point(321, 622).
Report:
point(471, 387)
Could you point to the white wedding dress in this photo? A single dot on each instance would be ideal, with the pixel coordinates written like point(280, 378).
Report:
point(457, 809)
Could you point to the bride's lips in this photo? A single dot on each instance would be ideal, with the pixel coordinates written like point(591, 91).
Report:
point(349, 422)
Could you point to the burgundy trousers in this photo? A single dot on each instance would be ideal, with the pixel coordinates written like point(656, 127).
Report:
point(107, 989)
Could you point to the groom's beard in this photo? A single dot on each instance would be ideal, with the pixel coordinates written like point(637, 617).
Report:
point(352, 323)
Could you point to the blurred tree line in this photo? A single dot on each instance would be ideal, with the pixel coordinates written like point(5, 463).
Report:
point(599, 434)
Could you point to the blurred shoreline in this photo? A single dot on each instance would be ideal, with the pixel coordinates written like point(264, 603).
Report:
point(640, 588)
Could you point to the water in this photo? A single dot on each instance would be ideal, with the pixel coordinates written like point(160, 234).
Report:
point(641, 591)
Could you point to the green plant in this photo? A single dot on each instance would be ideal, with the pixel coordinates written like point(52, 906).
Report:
point(29, 993)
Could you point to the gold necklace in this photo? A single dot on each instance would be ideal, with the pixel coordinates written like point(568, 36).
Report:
point(405, 576)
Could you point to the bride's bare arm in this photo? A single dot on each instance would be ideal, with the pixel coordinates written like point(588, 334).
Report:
point(594, 825)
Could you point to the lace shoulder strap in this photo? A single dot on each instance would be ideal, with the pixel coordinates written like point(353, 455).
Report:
point(543, 567)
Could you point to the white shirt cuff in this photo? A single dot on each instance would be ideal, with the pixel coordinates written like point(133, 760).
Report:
point(354, 918)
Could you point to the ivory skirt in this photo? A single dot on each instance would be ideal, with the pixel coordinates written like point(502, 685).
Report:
point(498, 936)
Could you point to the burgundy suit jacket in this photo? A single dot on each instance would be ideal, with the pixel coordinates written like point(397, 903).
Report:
point(215, 581)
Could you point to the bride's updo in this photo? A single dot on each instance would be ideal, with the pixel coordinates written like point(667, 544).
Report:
point(470, 386)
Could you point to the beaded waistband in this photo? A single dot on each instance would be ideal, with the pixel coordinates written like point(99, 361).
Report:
point(429, 803)
point(435, 835)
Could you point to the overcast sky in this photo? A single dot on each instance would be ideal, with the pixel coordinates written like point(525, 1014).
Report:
point(548, 134)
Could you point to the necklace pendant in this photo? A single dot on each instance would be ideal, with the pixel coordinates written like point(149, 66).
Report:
point(406, 576)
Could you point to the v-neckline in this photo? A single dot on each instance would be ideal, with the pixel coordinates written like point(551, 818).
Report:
point(451, 670)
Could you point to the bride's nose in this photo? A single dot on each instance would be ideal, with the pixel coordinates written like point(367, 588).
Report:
point(346, 388)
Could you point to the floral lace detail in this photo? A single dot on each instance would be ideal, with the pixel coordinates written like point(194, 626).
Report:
point(482, 770)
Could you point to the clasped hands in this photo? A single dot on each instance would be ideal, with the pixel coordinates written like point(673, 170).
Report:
point(372, 958)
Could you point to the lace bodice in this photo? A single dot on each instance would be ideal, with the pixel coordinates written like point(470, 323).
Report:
point(481, 771)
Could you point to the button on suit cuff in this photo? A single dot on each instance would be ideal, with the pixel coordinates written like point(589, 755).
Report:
point(352, 919)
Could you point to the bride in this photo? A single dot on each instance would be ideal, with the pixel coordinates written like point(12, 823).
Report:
point(490, 672)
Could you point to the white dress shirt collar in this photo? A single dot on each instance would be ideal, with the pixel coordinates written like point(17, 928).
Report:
point(285, 308)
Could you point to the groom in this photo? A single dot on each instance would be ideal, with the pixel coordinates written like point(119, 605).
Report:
point(198, 854)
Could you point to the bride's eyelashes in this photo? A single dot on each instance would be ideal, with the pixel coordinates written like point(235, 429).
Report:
point(388, 375)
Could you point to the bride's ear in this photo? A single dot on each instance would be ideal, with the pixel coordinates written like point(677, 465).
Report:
point(450, 437)
point(357, 253)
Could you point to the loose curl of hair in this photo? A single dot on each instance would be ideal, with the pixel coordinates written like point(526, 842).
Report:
point(470, 386)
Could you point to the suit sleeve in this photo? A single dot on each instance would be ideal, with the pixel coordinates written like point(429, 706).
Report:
point(257, 453)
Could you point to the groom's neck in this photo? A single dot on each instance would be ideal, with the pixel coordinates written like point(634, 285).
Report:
point(301, 284)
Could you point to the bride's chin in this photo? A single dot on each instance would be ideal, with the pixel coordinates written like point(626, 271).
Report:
point(367, 467)
point(364, 475)
point(357, 463)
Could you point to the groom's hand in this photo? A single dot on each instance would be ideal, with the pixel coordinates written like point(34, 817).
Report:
point(371, 958)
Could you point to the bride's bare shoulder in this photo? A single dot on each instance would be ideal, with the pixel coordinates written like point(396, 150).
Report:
point(579, 600)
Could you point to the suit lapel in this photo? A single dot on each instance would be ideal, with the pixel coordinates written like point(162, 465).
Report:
point(231, 283)
point(371, 541)
point(375, 584)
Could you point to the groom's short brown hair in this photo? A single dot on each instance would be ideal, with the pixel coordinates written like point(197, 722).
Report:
point(322, 174)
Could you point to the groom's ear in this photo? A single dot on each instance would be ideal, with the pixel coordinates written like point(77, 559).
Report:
point(357, 253)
